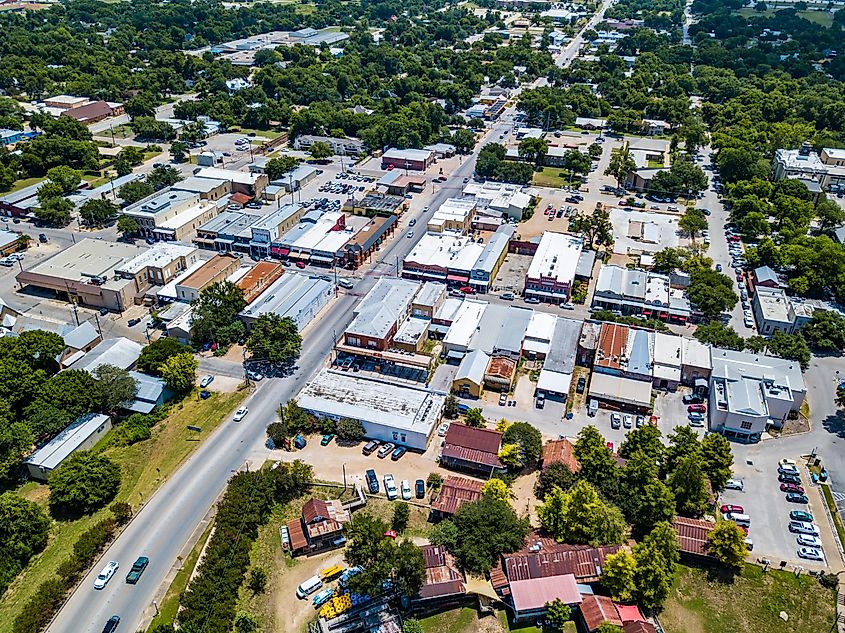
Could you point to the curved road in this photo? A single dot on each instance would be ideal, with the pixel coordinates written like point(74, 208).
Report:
point(166, 521)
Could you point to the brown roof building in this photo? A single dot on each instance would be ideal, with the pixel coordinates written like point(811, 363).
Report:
point(455, 492)
point(638, 627)
point(596, 610)
point(319, 527)
point(473, 450)
point(215, 269)
point(560, 452)
point(692, 535)
point(259, 278)
point(444, 582)
point(612, 343)
point(90, 112)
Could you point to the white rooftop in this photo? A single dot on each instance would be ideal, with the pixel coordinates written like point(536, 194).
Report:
point(446, 251)
point(157, 256)
point(465, 323)
point(240, 177)
point(556, 257)
point(383, 307)
point(60, 447)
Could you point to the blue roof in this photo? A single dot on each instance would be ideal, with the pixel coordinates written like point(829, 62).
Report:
point(640, 358)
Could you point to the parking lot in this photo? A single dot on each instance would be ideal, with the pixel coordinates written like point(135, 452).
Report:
point(769, 510)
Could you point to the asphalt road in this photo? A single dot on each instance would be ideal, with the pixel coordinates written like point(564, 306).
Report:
point(166, 521)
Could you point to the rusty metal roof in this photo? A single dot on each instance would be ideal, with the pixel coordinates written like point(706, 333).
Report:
point(560, 452)
point(455, 492)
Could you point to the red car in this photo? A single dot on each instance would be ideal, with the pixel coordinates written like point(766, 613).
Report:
point(467, 290)
point(610, 446)
point(300, 264)
point(792, 488)
point(728, 508)
point(697, 408)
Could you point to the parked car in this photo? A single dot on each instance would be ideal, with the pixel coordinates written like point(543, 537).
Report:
point(386, 449)
point(503, 399)
point(240, 414)
point(133, 322)
point(735, 484)
point(697, 408)
point(441, 430)
point(692, 398)
point(787, 469)
point(615, 421)
point(627, 421)
point(797, 497)
point(802, 527)
point(207, 380)
point(138, 568)
point(732, 509)
point(639, 422)
point(419, 488)
point(390, 487)
point(581, 385)
point(809, 540)
point(300, 264)
point(791, 488)
point(696, 417)
point(370, 447)
point(801, 515)
point(372, 481)
point(205, 395)
point(406, 490)
point(327, 438)
point(105, 575)
point(532, 300)
point(398, 452)
point(507, 296)
point(810, 553)
point(111, 624)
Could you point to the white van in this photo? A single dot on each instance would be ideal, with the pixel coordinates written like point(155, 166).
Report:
point(308, 587)
point(739, 519)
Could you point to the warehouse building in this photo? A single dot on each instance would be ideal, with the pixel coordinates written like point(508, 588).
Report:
point(416, 159)
point(80, 435)
point(389, 413)
point(300, 297)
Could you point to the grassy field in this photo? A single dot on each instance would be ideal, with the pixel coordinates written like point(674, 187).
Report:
point(454, 621)
point(822, 18)
point(264, 134)
point(144, 466)
point(750, 604)
point(24, 182)
point(552, 177)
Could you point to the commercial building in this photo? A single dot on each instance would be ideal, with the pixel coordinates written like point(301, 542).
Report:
point(172, 214)
point(773, 311)
point(388, 412)
point(552, 270)
point(215, 270)
point(80, 435)
point(206, 188)
point(560, 353)
point(452, 216)
point(379, 314)
point(118, 352)
point(751, 392)
point(472, 450)
point(258, 279)
point(368, 240)
point(469, 379)
point(490, 260)
point(443, 257)
point(375, 204)
point(300, 297)
point(339, 146)
point(228, 232)
point(86, 272)
point(415, 159)
point(94, 111)
point(8, 242)
point(240, 181)
point(826, 170)
point(637, 292)
point(498, 198)
point(428, 300)
point(268, 229)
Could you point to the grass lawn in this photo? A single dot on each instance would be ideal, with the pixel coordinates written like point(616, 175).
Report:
point(822, 18)
point(418, 524)
point(752, 603)
point(454, 621)
point(655, 164)
point(834, 512)
point(170, 604)
point(95, 181)
point(143, 468)
point(24, 182)
point(268, 134)
point(552, 177)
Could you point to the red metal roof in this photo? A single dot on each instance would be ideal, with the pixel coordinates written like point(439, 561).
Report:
point(240, 198)
point(455, 492)
point(692, 534)
point(315, 510)
point(442, 576)
point(297, 535)
point(560, 452)
point(584, 562)
point(599, 609)
point(629, 612)
point(613, 340)
point(530, 595)
point(638, 627)
point(467, 443)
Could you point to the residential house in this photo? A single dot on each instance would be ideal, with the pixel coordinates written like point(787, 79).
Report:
point(320, 527)
point(560, 451)
point(444, 586)
point(454, 493)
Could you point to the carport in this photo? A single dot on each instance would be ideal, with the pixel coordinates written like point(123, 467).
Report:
point(624, 393)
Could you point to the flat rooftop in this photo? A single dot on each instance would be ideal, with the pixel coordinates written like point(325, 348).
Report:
point(343, 395)
point(229, 175)
point(87, 259)
point(60, 447)
point(158, 256)
point(208, 271)
point(556, 257)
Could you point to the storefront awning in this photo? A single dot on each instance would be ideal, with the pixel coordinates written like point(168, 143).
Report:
point(322, 259)
point(281, 252)
point(459, 278)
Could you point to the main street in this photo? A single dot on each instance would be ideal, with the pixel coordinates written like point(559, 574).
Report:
point(166, 521)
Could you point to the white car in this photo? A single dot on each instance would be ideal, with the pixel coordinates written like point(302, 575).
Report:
point(809, 541)
point(735, 484)
point(390, 487)
point(441, 430)
point(798, 527)
point(240, 414)
point(810, 553)
point(207, 380)
point(104, 576)
point(406, 490)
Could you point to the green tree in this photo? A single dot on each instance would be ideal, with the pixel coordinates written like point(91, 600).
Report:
point(164, 176)
point(580, 516)
point(594, 227)
point(280, 165)
point(689, 484)
point(621, 164)
point(178, 151)
point(719, 335)
point(117, 387)
point(245, 622)
point(712, 292)
point(726, 543)
point(643, 496)
point(528, 438)
point(401, 515)
point(825, 331)
point(656, 558)
point(597, 464)
point(830, 215)
point(463, 140)
point(554, 475)
point(127, 226)
point(55, 212)
point(791, 347)
point(533, 149)
point(49, 191)
point(131, 192)
point(132, 155)
point(156, 353)
point(215, 315)
point(65, 177)
point(180, 372)
point(577, 161)
point(122, 167)
point(274, 339)
point(83, 483)
point(450, 407)
point(278, 433)
point(24, 533)
point(96, 212)
point(410, 625)
point(617, 576)
point(486, 529)
point(716, 460)
point(557, 614)
point(473, 417)
point(497, 489)
point(646, 439)
point(349, 429)
point(693, 222)
point(321, 150)
point(257, 580)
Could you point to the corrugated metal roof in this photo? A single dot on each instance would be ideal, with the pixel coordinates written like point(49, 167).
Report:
point(599, 609)
point(692, 534)
point(473, 366)
point(533, 594)
point(560, 452)
point(455, 492)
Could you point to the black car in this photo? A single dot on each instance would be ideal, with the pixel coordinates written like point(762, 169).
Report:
point(111, 625)
point(370, 447)
point(692, 398)
point(786, 478)
point(582, 383)
point(397, 453)
point(133, 322)
point(419, 486)
point(42, 237)
point(205, 395)
point(372, 481)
